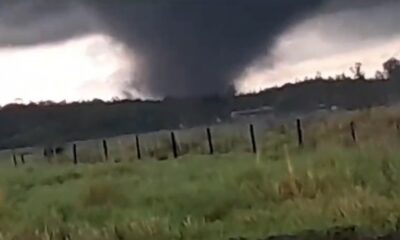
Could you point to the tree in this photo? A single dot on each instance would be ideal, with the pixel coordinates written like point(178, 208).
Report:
point(356, 70)
point(318, 76)
point(379, 75)
point(340, 77)
point(391, 66)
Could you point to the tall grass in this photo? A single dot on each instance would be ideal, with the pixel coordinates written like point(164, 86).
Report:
point(282, 189)
point(202, 197)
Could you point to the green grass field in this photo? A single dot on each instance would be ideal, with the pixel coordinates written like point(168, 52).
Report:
point(283, 189)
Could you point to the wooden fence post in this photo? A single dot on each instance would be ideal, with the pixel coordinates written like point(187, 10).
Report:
point(105, 149)
point(75, 154)
point(353, 131)
point(210, 142)
point(253, 139)
point(138, 152)
point(14, 159)
point(300, 138)
point(22, 158)
point(174, 145)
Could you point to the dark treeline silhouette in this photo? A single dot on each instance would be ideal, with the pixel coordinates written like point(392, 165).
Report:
point(47, 123)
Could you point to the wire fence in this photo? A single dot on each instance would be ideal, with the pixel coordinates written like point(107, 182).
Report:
point(246, 137)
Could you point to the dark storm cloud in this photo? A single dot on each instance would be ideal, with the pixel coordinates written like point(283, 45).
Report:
point(192, 47)
point(30, 22)
point(197, 47)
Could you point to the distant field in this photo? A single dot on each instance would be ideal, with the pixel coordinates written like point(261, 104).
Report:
point(283, 189)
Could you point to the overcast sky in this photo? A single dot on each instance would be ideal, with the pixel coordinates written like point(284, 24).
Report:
point(80, 50)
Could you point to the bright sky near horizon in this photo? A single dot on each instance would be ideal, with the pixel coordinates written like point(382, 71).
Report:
point(85, 68)
point(330, 44)
point(372, 57)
